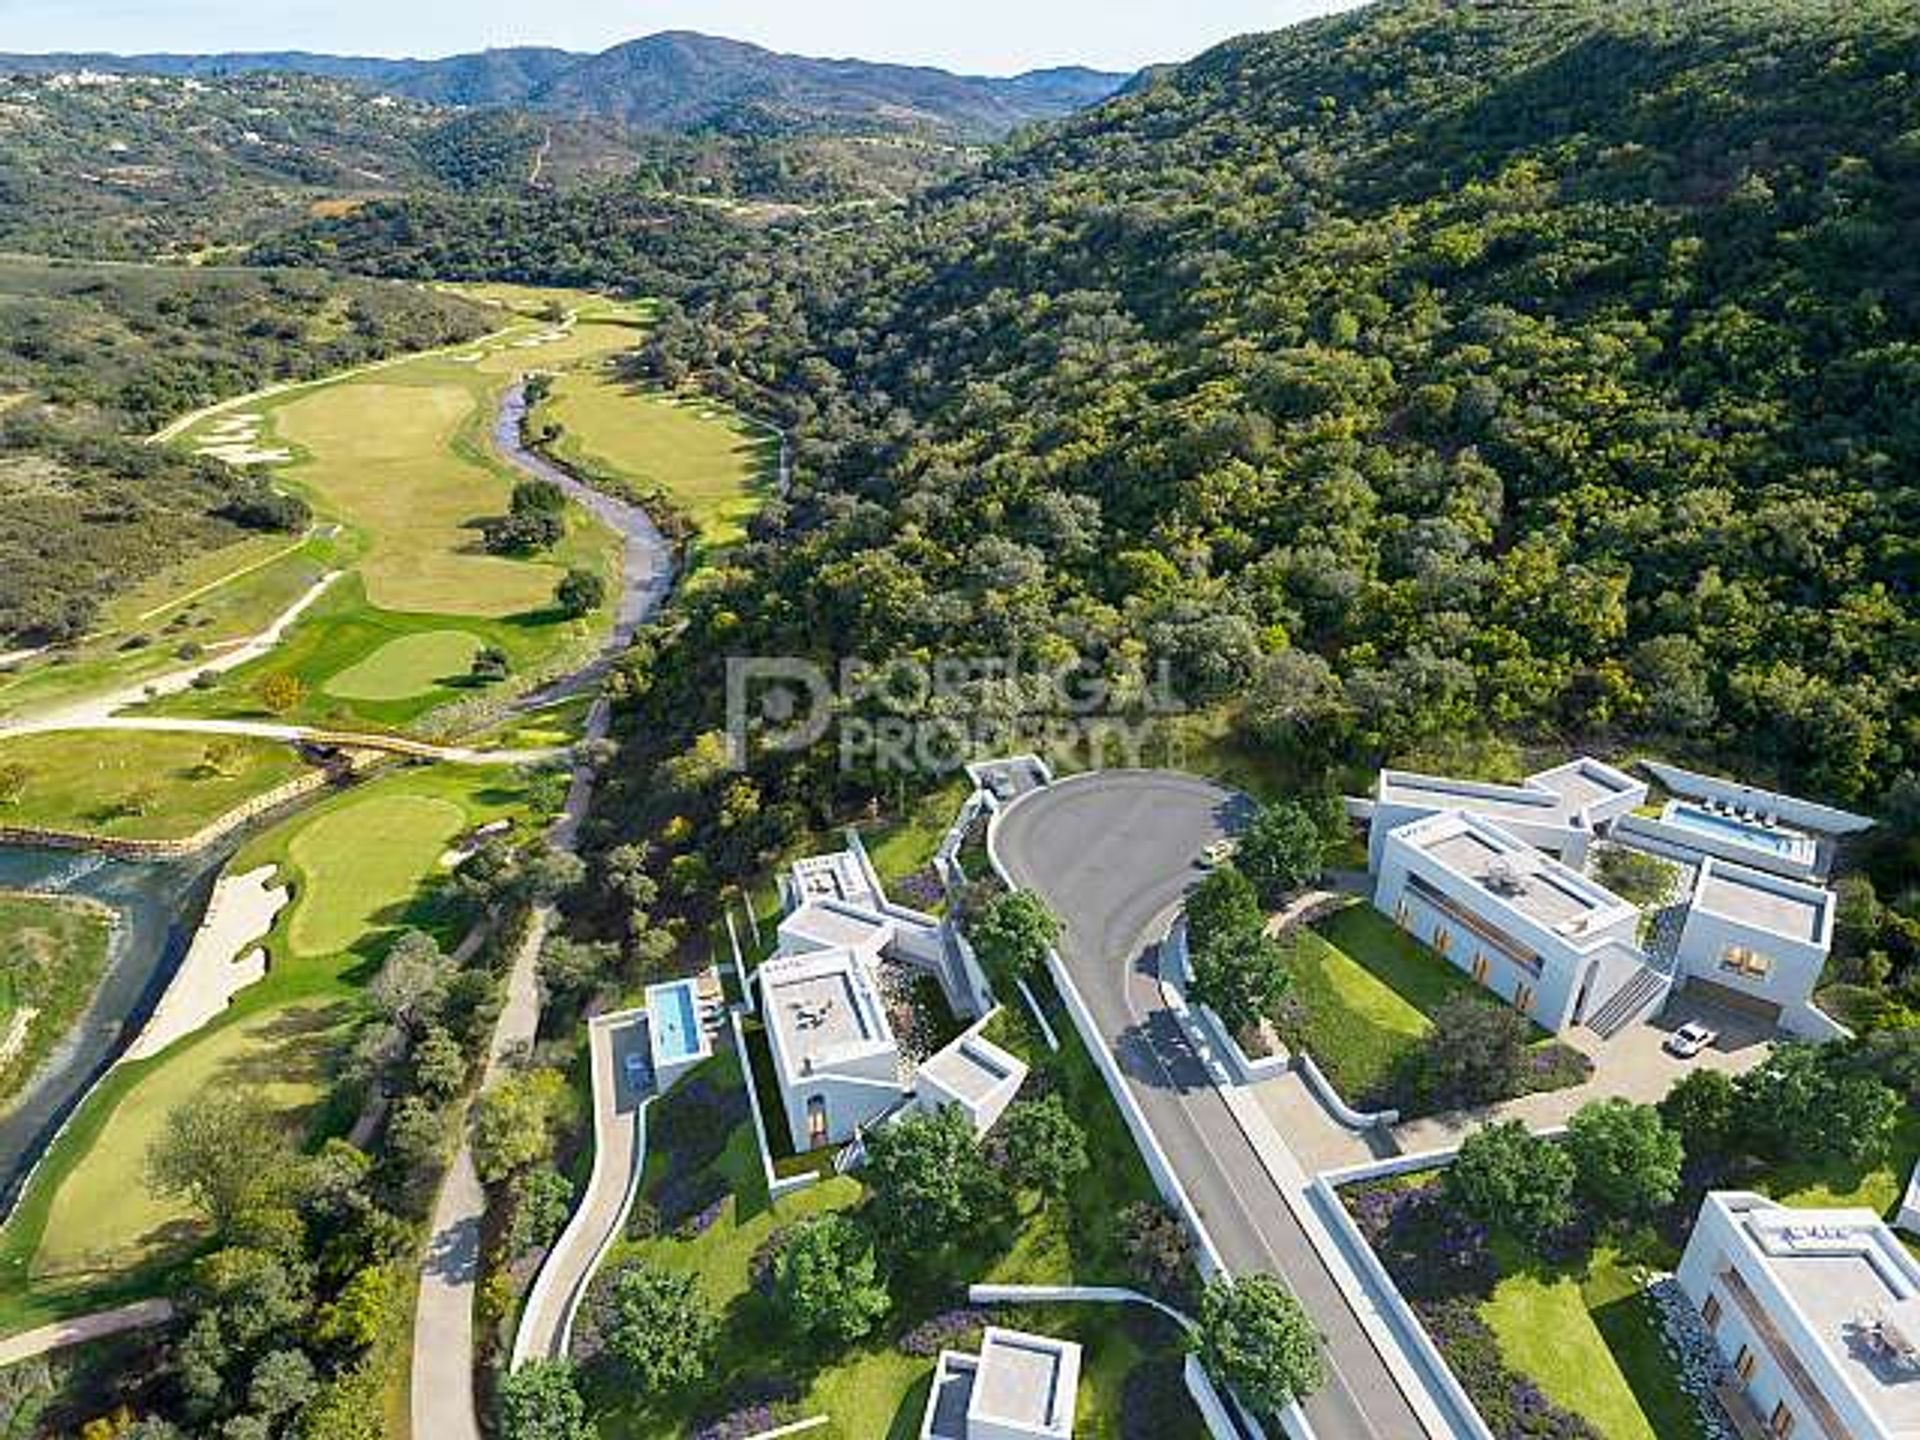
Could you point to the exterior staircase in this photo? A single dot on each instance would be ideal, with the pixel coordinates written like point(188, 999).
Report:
point(1631, 1001)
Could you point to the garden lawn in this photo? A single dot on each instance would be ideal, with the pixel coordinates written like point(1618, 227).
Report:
point(713, 464)
point(1590, 1338)
point(92, 782)
point(86, 1231)
point(1834, 1184)
point(1367, 989)
point(53, 951)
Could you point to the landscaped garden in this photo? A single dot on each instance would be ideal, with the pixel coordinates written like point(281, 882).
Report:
point(135, 785)
point(1539, 1266)
point(1386, 1019)
point(705, 1214)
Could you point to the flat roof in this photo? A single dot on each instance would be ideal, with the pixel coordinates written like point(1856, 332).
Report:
point(1583, 783)
point(971, 1068)
point(1763, 901)
point(820, 1003)
point(1841, 1269)
point(1517, 876)
point(1027, 1380)
point(829, 923)
point(1560, 796)
point(952, 1395)
point(835, 876)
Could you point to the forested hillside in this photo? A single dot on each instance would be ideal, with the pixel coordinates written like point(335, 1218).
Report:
point(1434, 370)
point(94, 358)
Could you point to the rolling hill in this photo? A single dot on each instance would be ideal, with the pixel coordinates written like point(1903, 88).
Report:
point(672, 81)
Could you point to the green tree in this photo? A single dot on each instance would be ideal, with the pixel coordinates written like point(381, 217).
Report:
point(282, 1383)
point(490, 665)
point(579, 593)
point(930, 1184)
point(1508, 1178)
point(1258, 1339)
point(1222, 904)
point(1241, 977)
point(226, 1154)
point(1700, 1110)
point(1281, 850)
point(281, 693)
point(515, 1120)
point(1797, 1104)
point(828, 1281)
point(660, 1326)
point(541, 1401)
point(1626, 1160)
point(1041, 1146)
point(1476, 1052)
point(14, 778)
point(1013, 934)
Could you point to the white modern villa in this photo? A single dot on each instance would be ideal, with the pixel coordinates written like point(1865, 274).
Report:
point(1019, 1387)
point(1816, 1314)
point(1495, 878)
point(840, 1065)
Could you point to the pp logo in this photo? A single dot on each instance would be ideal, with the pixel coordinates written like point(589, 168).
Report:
point(783, 702)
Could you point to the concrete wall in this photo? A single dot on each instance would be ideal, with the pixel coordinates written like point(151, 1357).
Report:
point(1805, 814)
point(1680, 842)
point(1789, 984)
point(776, 1186)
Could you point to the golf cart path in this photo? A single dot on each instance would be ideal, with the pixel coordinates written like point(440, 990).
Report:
point(141, 1315)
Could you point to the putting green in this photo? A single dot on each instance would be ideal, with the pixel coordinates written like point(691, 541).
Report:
point(409, 666)
point(387, 458)
point(362, 862)
point(104, 1219)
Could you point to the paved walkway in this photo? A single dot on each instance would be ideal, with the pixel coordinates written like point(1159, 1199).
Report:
point(619, 1138)
point(141, 1315)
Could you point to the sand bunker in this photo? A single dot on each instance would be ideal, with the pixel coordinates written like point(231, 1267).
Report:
point(240, 914)
point(234, 439)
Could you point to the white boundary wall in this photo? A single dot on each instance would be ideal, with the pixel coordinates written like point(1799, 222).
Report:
point(776, 1186)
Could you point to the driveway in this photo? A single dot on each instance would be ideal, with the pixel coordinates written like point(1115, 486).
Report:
point(1112, 854)
point(546, 1327)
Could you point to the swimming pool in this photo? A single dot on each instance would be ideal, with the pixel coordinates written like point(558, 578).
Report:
point(675, 1017)
point(1787, 844)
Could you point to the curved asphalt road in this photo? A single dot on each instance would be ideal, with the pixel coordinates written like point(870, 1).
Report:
point(1112, 854)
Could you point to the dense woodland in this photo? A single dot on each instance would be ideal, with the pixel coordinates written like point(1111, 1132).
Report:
point(95, 358)
point(1426, 371)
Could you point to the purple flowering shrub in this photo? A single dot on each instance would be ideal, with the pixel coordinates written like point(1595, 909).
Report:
point(956, 1329)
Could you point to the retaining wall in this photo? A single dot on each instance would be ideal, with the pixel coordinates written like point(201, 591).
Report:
point(122, 848)
point(776, 1185)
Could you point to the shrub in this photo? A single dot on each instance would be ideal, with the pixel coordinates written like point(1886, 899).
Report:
point(1159, 1250)
point(827, 1281)
point(658, 1326)
point(1626, 1160)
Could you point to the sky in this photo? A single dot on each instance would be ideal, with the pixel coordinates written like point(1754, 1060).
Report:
point(994, 37)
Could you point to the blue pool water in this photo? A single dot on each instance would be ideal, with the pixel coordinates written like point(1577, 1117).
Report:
point(1784, 843)
point(676, 1022)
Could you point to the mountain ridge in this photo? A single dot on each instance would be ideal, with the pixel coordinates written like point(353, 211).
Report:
point(673, 80)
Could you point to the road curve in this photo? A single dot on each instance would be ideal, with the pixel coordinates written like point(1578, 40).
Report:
point(1112, 854)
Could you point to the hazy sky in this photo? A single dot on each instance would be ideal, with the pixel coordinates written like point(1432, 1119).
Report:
point(985, 36)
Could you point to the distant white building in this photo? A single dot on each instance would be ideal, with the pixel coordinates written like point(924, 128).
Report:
point(1019, 1387)
point(1817, 1314)
point(1493, 878)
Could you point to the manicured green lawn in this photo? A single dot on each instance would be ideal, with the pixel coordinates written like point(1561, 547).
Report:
point(86, 1232)
point(1590, 1338)
point(1367, 989)
point(1826, 1183)
point(104, 1218)
point(92, 782)
point(52, 953)
point(409, 666)
point(713, 464)
point(362, 863)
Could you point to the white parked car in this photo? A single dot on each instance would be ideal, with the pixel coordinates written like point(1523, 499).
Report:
point(1690, 1039)
point(1218, 853)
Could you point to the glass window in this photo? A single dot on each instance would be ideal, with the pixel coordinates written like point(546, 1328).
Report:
point(1782, 1422)
point(1710, 1312)
point(1744, 961)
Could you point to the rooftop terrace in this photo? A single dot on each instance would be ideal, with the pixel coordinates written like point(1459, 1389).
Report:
point(1517, 876)
point(1766, 902)
point(821, 1005)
